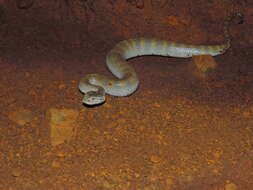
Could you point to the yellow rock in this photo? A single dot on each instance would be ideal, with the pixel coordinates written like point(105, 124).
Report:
point(62, 124)
point(201, 65)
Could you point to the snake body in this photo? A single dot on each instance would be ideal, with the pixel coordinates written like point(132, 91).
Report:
point(95, 86)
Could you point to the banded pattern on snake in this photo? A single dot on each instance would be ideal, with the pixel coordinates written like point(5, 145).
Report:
point(95, 86)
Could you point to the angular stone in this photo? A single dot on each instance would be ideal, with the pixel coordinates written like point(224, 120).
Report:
point(62, 125)
point(201, 65)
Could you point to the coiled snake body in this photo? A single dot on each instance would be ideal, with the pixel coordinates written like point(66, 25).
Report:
point(95, 85)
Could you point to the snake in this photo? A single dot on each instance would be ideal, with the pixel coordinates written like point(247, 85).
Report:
point(126, 81)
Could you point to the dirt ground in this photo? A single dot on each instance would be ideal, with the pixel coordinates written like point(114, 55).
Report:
point(176, 132)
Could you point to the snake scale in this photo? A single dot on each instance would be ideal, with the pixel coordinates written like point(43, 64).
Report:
point(95, 86)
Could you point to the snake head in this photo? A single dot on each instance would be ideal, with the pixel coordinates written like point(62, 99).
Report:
point(93, 98)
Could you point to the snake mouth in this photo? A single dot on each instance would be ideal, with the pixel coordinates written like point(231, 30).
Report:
point(93, 105)
point(92, 99)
